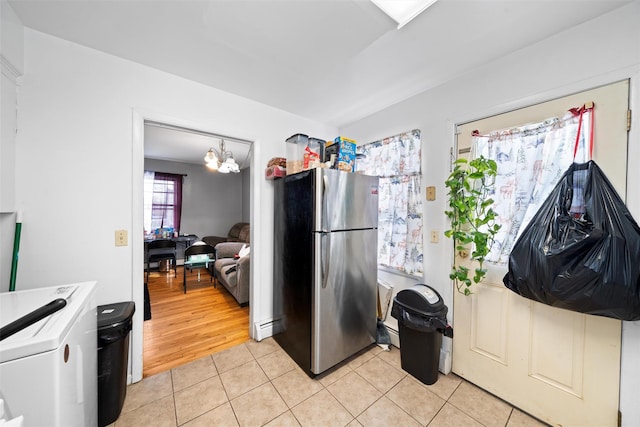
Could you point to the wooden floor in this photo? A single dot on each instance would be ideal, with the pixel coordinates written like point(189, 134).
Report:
point(186, 327)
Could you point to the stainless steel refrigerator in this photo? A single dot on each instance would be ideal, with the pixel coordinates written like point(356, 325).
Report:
point(325, 266)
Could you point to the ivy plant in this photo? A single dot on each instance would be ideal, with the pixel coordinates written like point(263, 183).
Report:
point(473, 221)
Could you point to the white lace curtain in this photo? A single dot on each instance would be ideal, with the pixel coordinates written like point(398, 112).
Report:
point(396, 160)
point(531, 159)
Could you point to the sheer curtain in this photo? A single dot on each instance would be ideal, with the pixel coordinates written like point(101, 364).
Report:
point(396, 160)
point(148, 201)
point(530, 159)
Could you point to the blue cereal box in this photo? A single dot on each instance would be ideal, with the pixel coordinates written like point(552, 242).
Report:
point(342, 154)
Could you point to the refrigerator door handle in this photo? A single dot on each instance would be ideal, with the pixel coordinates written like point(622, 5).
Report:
point(326, 224)
point(325, 244)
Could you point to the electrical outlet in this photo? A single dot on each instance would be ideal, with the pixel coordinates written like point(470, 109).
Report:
point(435, 237)
point(122, 238)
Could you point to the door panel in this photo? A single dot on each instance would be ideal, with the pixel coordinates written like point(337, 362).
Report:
point(489, 323)
point(560, 366)
point(556, 355)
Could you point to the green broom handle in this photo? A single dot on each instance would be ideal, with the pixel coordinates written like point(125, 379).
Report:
point(16, 249)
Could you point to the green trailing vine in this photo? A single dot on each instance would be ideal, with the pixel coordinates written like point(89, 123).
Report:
point(473, 221)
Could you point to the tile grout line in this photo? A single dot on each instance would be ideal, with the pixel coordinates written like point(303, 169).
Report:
point(462, 410)
point(254, 358)
point(225, 391)
point(194, 384)
point(372, 403)
point(235, 415)
point(173, 396)
point(445, 403)
point(394, 386)
point(509, 417)
point(270, 381)
point(289, 408)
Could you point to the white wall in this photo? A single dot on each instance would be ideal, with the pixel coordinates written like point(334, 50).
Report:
point(11, 67)
point(11, 42)
point(246, 194)
point(77, 150)
point(598, 52)
point(211, 201)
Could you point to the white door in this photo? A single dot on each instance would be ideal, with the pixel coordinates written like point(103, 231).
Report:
point(560, 366)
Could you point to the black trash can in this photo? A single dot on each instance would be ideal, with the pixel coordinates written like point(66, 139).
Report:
point(114, 325)
point(422, 320)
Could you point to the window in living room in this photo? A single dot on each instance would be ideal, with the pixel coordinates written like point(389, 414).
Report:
point(162, 201)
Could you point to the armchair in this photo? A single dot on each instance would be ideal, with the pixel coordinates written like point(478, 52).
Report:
point(233, 273)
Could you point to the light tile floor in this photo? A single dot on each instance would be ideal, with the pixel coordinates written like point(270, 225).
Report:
point(257, 384)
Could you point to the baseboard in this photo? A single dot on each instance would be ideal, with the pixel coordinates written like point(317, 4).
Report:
point(269, 327)
point(445, 362)
point(395, 338)
point(266, 328)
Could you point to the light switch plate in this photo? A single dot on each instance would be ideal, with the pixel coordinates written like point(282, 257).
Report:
point(431, 193)
point(122, 238)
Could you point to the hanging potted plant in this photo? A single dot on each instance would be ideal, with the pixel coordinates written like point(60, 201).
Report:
point(473, 221)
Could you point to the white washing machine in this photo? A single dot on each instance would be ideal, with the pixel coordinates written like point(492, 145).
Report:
point(48, 371)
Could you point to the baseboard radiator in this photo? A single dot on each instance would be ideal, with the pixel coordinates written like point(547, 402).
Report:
point(266, 328)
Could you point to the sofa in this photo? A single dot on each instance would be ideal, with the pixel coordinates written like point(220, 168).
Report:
point(239, 232)
point(232, 271)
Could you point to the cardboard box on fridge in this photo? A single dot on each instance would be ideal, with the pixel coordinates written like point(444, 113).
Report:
point(342, 154)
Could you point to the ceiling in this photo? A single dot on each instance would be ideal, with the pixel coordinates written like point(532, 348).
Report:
point(189, 146)
point(334, 61)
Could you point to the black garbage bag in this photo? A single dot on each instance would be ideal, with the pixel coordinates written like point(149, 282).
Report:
point(586, 261)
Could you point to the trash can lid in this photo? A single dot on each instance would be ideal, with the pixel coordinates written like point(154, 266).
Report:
point(422, 299)
point(115, 315)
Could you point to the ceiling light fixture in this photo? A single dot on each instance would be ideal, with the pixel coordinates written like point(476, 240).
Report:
point(222, 160)
point(403, 11)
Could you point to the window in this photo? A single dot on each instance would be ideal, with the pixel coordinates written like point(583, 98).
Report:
point(531, 159)
point(162, 201)
point(396, 160)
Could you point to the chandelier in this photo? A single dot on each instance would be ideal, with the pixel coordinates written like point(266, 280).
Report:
point(221, 160)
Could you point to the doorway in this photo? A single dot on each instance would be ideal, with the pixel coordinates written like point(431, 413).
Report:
point(185, 326)
point(137, 245)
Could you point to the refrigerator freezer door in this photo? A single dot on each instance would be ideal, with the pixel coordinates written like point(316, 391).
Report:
point(345, 201)
point(344, 296)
